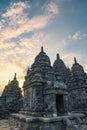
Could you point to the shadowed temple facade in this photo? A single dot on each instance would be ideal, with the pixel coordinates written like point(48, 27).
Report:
point(11, 98)
point(55, 97)
point(43, 89)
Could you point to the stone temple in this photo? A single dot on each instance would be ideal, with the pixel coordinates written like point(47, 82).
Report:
point(11, 98)
point(77, 89)
point(42, 90)
point(55, 97)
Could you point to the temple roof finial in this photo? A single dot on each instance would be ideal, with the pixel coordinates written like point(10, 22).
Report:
point(58, 56)
point(9, 82)
point(75, 60)
point(42, 50)
point(28, 70)
point(15, 76)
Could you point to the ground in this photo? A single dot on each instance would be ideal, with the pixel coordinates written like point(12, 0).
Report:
point(4, 125)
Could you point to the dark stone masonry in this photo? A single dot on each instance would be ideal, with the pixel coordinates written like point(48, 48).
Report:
point(11, 99)
point(55, 97)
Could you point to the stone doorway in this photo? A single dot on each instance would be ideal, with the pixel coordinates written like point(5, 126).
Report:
point(59, 104)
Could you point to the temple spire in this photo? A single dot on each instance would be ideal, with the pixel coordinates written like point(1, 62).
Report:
point(15, 76)
point(75, 60)
point(28, 70)
point(9, 82)
point(58, 56)
point(42, 50)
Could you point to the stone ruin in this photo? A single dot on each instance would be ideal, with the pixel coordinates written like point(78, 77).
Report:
point(40, 86)
point(77, 89)
point(55, 97)
point(11, 99)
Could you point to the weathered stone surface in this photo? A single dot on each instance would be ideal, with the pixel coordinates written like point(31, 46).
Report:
point(61, 71)
point(69, 122)
point(4, 125)
point(77, 87)
point(51, 94)
point(11, 98)
point(42, 91)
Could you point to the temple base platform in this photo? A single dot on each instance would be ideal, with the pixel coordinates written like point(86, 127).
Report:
point(72, 121)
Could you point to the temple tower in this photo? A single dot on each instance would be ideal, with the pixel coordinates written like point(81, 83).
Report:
point(61, 71)
point(12, 97)
point(77, 86)
point(45, 104)
point(40, 86)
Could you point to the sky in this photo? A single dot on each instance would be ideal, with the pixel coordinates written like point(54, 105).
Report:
point(60, 26)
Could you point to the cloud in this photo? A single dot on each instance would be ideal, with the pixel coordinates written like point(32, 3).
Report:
point(75, 36)
point(52, 8)
point(69, 58)
point(17, 57)
point(22, 52)
point(15, 9)
point(16, 21)
point(17, 54)
point(33, 24)
point(13, 20)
